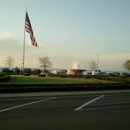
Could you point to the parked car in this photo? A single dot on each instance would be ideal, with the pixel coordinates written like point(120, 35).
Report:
point(59, 71)
point(112, 74)
point(5, 70)
point(102, 73)
point(26, 71)
point(36, 71)
point(46, 71)
point(89, 73)
point(125, 75)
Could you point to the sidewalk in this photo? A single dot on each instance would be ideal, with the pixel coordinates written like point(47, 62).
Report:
point(41, 94)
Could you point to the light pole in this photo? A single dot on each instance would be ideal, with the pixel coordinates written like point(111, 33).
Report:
point(98, 62)
point(86, 64)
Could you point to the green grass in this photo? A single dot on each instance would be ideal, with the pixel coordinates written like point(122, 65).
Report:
point(20, 79)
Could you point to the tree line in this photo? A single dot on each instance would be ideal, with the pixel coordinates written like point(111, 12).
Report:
point(46, 63)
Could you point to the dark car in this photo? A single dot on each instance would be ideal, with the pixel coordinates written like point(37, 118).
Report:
point(36, 71)
point(102, 73)
point(26, 71)
point(125, 75)
point(5, 70)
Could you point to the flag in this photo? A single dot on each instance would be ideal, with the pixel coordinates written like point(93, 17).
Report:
point(28, 29)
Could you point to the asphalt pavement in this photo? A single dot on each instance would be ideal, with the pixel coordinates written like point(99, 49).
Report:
point(93, 110)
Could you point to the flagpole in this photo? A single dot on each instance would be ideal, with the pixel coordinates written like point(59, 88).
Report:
point(24, 43)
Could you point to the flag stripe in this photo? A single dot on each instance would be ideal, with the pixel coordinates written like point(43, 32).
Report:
point(28, 29)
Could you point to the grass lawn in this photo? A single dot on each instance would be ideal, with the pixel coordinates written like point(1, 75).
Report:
point(19, 79)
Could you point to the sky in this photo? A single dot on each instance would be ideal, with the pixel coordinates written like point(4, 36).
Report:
point(67, 31)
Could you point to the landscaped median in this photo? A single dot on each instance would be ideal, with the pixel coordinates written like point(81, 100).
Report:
point(39, 84)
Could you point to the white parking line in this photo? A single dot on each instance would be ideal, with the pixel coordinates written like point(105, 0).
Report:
point(79, 108)
point(27, 104)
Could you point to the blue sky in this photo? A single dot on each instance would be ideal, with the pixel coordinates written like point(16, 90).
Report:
point(67, 30)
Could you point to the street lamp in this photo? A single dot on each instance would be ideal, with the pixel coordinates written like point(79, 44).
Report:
point(86, 64)
point(98, 62)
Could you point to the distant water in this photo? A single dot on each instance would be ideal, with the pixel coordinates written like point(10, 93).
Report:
point(107, 71)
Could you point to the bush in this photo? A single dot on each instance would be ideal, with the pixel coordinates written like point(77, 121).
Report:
point(87, 77)
point(64, 76)
point(26, 74)
point(1, 75)
point(4, 78)
point(4, 88)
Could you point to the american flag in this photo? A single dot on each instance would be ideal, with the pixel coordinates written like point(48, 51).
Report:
point(28, 28)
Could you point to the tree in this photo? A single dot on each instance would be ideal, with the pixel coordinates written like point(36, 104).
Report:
point(93, 65)
point(45, 62)
point(126, 65)
point(9, 61)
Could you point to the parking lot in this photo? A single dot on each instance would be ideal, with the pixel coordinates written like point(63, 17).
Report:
point(72, 112)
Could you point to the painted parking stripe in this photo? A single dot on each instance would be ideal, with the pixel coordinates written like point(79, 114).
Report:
point(27, 104)
point(86, 104)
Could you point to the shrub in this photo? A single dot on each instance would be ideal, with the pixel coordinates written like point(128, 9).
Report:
point(4, 78)
point(1, 75)
point(63, 76)
point(60, 87)
point(87, 77)
point(26, 74)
